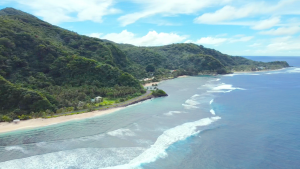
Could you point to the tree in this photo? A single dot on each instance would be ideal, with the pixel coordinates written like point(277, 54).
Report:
point(150, 68)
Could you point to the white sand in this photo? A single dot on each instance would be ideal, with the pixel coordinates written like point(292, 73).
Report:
point(183, 76)
point(35, 123)
point(150, 84)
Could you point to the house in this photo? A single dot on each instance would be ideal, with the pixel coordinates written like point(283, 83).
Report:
point(98, 99)
point(16, 121)
point(147, 79)
point(261, 68)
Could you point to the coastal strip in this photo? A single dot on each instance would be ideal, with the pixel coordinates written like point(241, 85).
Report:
point(42, 122)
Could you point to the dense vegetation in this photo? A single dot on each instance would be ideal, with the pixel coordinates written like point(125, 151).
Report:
point(45, 69)
point(191, 59)
point(159, 93)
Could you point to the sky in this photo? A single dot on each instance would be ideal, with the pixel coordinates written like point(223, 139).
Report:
point(234, 27)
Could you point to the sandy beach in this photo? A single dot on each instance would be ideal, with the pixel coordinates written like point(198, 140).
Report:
point(150, 84)
point(35, 123)
point(153, 83)
point(183, 76)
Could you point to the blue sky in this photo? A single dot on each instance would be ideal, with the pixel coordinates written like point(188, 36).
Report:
point(235, 27)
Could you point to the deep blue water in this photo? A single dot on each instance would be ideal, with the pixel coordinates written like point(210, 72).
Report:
point(241, 121)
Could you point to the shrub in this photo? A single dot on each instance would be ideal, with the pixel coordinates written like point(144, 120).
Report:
point(159, 93)
point(6, 118)
point(24, 117)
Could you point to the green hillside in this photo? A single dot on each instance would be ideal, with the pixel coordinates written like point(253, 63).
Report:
point(39, 57)
point(192, 59)
point(44, 68)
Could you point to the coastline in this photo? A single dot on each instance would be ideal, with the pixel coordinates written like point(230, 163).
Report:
point(154, 83)
point(40, 122)
point(258, 71)
point(6, 127)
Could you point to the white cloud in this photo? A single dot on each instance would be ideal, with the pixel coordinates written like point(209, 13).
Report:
point(255, 45)
point(167, 8)
point(228, 13)
point(211, 40)
point(96, 35)
point(281, 46)
point(247, 13)
point(241, 39)
point(266, 24)
point(282, 31)
point(217, 41)
point(284, 46)
point(152, 38)
point(57, 11)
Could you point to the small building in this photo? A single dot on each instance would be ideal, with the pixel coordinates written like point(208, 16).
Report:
point(147, 79)
point(98, 99)
point(261, 68)
point(16, 121)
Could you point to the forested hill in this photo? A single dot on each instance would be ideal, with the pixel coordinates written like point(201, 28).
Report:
point(39, 61)
point(44, 67)
point(193, 59)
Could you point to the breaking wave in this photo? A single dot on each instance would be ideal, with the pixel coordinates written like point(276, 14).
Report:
point(121, 133)
point(212, 112)
point(196, 95)
point(78, 158)
point(186, 106)
point(164, 141)
point(171, 113)
point(16, 148)
point(224, 88)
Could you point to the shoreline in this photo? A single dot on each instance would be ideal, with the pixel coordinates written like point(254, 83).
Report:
point(6, 127)
point(150, 83)
point(258, 71)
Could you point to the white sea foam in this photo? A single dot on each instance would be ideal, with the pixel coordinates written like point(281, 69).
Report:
point(196, 95)
point(218, 79)
point(212, 112)
point(169, 137)
point(211, 101)
point(121, 133)
point(224, 88)
point(191, 102)
point(77, 158)
point(245, 74)
point(16, 148)
point(294, 70)
point(186, 106)
point(231, 75)
point(171, 113)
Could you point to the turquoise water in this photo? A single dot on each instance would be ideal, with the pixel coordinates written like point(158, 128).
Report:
point(242, 121)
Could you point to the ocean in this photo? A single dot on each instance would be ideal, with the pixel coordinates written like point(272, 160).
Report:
point(242, 121)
